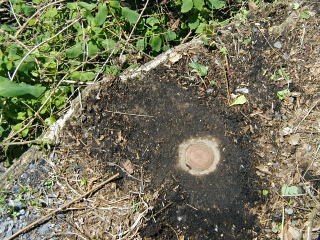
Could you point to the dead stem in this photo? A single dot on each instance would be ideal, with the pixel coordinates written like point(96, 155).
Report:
point(310, 221)
point(64, 206)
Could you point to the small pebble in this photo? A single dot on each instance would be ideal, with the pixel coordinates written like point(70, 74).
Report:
point(242, 90)
point(209, 91)
point(277, 45)
point(16, 189)
point(195, 58)
point(44, 228)
point(289, 211)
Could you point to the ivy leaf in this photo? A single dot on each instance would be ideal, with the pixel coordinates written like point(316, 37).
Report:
point(152, 21)
point(74, 51)
point(51, 12)
point(12, 89)
point(239, 101)
point(193, 21)
point(114, 4)
point(87, 6)
point(170, 36)
point(108, 44)
point(198, 4)
point(102, 14)
point(217, 4)
point(83, 76)
point(87, 76)
point(49, 121)
point(130, 15)
point(92, 49)
point(155, 42)
point(186, 6)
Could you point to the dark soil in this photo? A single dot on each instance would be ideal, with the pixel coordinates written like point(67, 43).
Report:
point(145, 119)
point(135, 128)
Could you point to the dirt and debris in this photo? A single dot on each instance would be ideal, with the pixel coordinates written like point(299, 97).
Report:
point(263, 142)
point(266, 184)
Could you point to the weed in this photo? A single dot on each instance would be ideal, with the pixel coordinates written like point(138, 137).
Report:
point(52, 49)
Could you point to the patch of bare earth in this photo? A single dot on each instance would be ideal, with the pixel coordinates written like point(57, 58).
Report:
point(265, 185)
point(268, 143)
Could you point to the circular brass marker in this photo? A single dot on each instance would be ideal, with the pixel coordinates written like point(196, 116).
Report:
point(199, 156)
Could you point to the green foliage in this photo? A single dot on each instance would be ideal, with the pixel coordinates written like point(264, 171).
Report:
point(12, 89)
point(49, 52)
point(198, 68)
point(130, 15)
point(290, 190)
point(239, 100)
point(281, 94)
point(305, 15)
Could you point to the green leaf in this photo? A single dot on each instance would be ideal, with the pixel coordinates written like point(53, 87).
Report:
point(87, 6)
point(92, 49)
point(198, 68)
point(305, 15)
point(50, 120)
point(186, 6)
point(12, 89)
point(290, 190)
point(198, 4)
point(74, 51)
point(32, 22)
point(87, 76)
point(217, 4)
point(193, 21)
point(114, 4)
point(295, 5)
point(83, 182)
point(130, 15)
point(223, 50)
point(18, 127)
point(170, 36)
point(201, 27)
point(108, 44)
point(28, 10)
point(281, 94)
point(265, 192)
point(155, 43)
point(83, 76)
point(152, 21)
point(102, 14)
point(7, 28)
point(72, 6)
point(60, 102)
point(141, 43)
point(51, 12)
point(246, 41)
point(239, 101)
point(21, 116)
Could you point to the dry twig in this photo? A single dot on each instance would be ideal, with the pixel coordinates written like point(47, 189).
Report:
point(64, 206)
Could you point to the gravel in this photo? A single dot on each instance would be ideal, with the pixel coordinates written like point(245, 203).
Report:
point(19, 208)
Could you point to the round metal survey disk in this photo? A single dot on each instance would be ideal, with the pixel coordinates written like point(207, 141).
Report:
point(199, 156)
